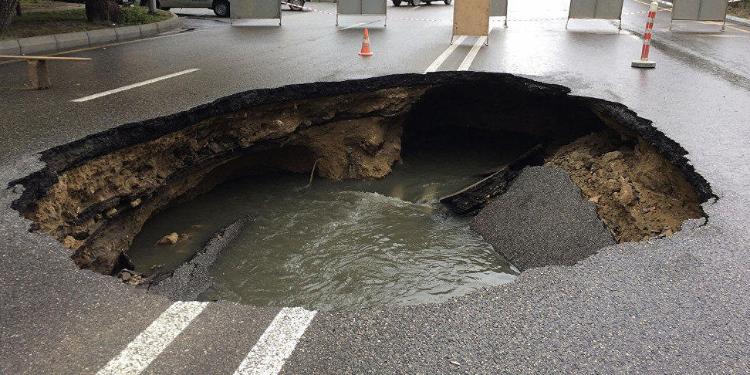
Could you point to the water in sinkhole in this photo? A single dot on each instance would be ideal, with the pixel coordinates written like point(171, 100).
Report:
point(347, 244)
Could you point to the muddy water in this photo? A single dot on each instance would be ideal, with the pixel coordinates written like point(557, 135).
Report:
point(344, 244)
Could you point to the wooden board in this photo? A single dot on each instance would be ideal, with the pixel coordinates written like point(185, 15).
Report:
point(471, 17)
point(473, 198)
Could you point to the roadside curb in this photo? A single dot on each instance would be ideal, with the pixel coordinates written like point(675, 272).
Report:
point(740, 20)
point(68, 41)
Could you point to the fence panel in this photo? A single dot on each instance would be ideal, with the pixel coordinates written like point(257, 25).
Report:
point(360, 8)
point(596, 9)
point(256, 10)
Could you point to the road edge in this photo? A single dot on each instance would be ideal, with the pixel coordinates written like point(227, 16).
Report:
point(84, 39)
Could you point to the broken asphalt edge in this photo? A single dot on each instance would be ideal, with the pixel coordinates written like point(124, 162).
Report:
point(64, 157)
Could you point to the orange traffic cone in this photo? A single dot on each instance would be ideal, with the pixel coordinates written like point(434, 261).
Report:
point(365, 51)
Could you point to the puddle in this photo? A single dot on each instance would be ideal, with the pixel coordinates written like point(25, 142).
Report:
point(348, 244)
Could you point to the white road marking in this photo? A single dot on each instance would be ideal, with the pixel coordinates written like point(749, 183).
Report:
point(128, 87)
point(724, 36)
point(359, 24)
point(738, 29)
point(277, 343)
point(444, 56)
point(154, 339)
point(466, 64)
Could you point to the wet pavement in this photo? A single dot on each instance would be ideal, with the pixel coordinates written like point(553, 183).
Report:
point(676, 304)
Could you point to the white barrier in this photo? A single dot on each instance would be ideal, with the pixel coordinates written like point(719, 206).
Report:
point(255, 10)
point(499, 8)
point(700, 10)
point(595, 9)
point(361, 8)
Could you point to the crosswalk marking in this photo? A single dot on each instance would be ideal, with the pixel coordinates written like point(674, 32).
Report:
point(277, 343)
point(466, 64)
point(154, 339)
point(444, 56)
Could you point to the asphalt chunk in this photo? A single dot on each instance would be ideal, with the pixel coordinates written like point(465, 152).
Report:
point(542, 220)
point(191, 279)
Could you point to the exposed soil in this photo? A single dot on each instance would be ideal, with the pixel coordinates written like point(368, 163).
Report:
point(637, 193)
point(96, 208)
point(96, 193)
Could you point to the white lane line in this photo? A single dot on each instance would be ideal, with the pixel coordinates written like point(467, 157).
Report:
point(154, 339)
point(277, 343)
point(466, 64)
point(444, 56)
point(737, 28)
point(128, 87)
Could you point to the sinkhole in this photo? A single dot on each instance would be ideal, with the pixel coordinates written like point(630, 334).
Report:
point(400, 189)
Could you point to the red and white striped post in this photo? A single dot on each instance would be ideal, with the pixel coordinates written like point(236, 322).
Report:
point(647, 35)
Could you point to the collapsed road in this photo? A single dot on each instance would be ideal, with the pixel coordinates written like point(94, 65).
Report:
point(527, 280)
point(96, 194)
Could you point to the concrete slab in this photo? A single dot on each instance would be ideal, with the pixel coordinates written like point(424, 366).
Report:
point(10, 47)
point(542, 220)
point(102, 36)
point(38, 44)
point(128, 33)
point(70, 41)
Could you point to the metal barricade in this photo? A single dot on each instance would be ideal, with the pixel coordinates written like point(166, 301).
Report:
point(499, 8)
point(361, 8)
point(595, 9)
point(255, 10)
point(700, 10)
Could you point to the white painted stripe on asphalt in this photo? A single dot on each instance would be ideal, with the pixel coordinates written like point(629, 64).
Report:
point(154, 339)
point(277, 343)
point(444, 56)
point(128, 87)
point(359, 24)
point(466, 64)
point(738, 29)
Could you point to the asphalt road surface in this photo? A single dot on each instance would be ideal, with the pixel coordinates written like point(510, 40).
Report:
point(673, 305)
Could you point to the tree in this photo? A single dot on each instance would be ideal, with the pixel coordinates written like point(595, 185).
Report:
point(7, 10)
point(101, 11)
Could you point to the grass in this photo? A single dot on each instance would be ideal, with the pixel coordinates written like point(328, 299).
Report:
point(137, 15)
point(740, 9)
point(72, 20)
